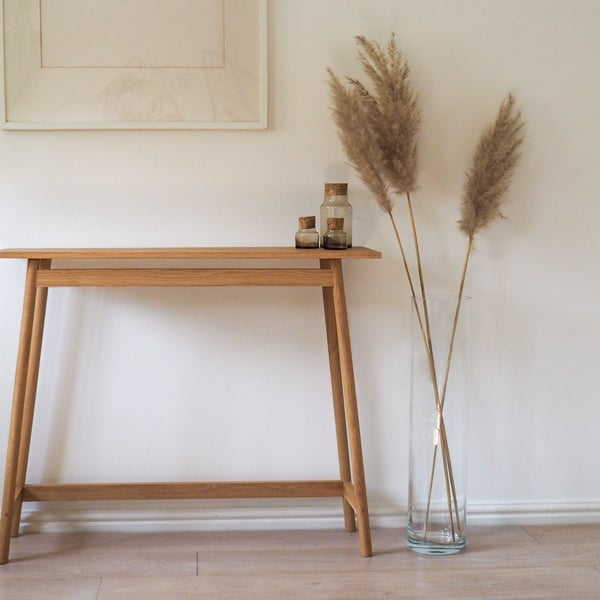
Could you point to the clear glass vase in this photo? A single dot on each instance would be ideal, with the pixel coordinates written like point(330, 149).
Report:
point(437, 504)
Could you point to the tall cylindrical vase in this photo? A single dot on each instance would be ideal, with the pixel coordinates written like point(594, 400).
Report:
point(438, 411)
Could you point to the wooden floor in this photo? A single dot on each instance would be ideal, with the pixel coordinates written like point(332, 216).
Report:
point(500, 562)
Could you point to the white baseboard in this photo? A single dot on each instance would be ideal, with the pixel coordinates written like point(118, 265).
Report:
point(534, 513)
point(272, 515)
point(226, 515)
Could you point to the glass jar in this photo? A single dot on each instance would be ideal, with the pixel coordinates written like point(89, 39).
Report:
point(335, 237)
point(307, 235)
point(335, 204)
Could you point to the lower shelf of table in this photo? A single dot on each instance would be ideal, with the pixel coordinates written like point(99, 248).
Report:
point(69, 492)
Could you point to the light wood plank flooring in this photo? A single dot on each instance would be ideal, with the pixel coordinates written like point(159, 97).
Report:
point(500, 562)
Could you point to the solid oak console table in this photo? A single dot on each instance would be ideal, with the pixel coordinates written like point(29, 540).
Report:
point(48, 268)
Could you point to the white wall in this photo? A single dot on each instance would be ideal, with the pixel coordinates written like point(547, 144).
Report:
point(186, 384)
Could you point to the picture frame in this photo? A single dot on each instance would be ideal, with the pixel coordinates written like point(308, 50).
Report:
point(134, 64)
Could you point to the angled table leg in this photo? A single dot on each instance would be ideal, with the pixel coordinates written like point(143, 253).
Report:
point(359, 491)
point(18, 407)
point(338, 399)
point(33, 370)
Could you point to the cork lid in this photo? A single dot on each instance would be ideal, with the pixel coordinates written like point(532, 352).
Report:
point(336, 189)
point(307, 222)
point(335, 224)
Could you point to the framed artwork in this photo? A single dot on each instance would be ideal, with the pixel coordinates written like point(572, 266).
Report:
point(134, 64)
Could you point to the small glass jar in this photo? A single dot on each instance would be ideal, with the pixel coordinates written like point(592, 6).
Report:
point(335, 204)
point(335, 238)
point(307, 235)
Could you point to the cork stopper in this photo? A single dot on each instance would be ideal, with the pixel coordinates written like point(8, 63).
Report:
point(307, 222)
point(336, 189)
point(335, 224)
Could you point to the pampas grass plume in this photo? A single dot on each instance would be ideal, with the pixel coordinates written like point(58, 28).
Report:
point(378, 124)
point(496, 157)
point(393, 111)
point(358, 138)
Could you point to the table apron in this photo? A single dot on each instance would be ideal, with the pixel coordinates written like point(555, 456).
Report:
point(162, 277)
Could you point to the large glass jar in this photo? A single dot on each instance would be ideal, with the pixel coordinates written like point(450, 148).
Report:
point(336, 205)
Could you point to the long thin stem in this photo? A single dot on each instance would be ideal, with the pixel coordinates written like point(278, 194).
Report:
point(454, 328)
point(459, 299)
point(424, 329)
point(405, 262)
point(448, 473)
point(449, 477)
point(447, 372)
point(413, 225)
point(426, 335)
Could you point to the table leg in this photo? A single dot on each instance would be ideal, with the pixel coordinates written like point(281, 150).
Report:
point(356, 457)
point(16, 421)
point(338, 399)
point(33, 370)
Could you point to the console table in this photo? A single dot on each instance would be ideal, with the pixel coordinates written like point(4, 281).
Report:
point(65, 267)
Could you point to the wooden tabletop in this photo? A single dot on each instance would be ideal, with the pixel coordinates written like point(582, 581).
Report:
point(252, 252)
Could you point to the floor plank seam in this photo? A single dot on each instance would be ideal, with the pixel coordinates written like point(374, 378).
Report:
point(533, 537)
point(99, 588)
